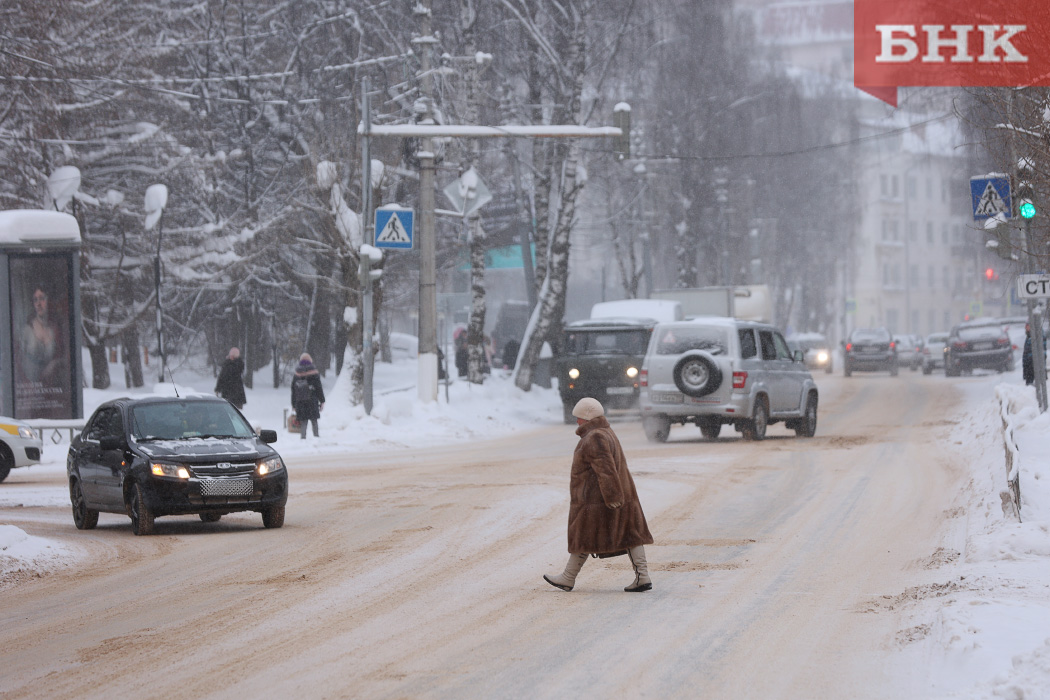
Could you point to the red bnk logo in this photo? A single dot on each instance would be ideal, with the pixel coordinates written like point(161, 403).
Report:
point(950, 43)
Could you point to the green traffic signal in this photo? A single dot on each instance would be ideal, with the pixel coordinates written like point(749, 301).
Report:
point(1026, 208)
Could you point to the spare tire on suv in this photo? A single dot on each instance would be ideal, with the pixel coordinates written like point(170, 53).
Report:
point(697, 375)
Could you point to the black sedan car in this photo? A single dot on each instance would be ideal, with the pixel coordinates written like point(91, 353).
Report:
point(978, 344)
point(870, 349)
point(173, 456)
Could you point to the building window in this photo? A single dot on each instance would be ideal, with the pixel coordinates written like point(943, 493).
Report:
point(929, 188)
point(914, 321)
point(911, 189)
point(947, 321)
point(947, 278)
point(913, 231)
point(931, 274)
point(885, 275)
point(894, 186)
point(929, 232)
point(893, 229)
point(944, 234)
point(932, 326)
point(892, 320)
point(884, 186)
point(896, 275)
point(913, 275)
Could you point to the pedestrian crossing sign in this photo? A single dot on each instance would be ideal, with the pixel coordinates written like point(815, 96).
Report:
point(990, 196)
point(394, 228)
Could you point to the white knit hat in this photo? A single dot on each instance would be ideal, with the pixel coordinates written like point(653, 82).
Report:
point(588, 409)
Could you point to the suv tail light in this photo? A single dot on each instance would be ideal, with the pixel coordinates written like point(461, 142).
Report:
point(1002, 340)
point(739, 380)
point(849, 346)
point(643, 378)
point(893, 345)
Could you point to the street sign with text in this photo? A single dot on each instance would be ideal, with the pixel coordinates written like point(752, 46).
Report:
point(1033, 286)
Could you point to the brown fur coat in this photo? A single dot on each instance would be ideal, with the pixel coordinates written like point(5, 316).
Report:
point(600, 477)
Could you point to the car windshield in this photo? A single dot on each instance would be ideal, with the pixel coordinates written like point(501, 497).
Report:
point(673, 341)
point(179, 420)
point(941, 339)
point(870, 337)
point(812, 344)
point(972, 332)
point(631, 342)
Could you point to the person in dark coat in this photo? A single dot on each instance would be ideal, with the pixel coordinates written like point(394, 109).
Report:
point(307, 394)
point(1027, 368)
point(230, 386)
point(605, 516)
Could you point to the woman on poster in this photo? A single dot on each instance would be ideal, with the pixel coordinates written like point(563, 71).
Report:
point(43, 344)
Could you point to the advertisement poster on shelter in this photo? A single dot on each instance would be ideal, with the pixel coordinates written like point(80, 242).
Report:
point(40, 335)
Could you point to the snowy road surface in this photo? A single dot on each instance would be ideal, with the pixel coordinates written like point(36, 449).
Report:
point(419, 573)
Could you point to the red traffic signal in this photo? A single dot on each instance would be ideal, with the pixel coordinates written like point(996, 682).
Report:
point(989, 274)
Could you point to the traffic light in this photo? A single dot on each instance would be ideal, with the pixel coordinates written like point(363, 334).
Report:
point(990, 274)
point(1025, 197)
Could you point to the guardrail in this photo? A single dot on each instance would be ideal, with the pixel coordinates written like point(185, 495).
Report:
point(53, 429)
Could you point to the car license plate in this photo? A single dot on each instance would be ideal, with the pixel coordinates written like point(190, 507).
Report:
point(619, 390)
point(982, 346)
point(667, 398)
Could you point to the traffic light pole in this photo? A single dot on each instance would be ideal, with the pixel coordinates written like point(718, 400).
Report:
point(1035, 323)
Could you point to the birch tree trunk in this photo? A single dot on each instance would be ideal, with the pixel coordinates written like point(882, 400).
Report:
point(550, 307)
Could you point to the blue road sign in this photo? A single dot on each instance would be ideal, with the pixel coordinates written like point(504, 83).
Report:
point(394, 229)
point(990, 196)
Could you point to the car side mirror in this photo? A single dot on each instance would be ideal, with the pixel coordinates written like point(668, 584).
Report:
point(799, 356)
point(111, 442)
point(268, 436)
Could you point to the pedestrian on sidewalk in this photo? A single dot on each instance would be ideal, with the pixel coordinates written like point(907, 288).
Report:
point(230, 384)
point(307, 394)
point(1027, 368)
point(605, 516)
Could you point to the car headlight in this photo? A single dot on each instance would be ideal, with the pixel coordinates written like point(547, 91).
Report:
point(574, 373)
point(269, 465)
point(26, 432)
point(174, 471)
point(822, 356)
point(632, 372)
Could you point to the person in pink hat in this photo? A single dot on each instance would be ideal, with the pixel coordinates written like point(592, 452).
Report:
point(307, 394)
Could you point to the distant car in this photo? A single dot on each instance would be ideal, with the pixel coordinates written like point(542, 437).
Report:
point(712, 372)
point(20, 445)
point(870, 350)
point(933, 352)
point(169, 456)
point(601, 358)
point(909, 351)
point(816, 350)
point(978, 344)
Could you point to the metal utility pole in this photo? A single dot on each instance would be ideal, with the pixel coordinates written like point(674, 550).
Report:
point(364, 272)
point(427, 363)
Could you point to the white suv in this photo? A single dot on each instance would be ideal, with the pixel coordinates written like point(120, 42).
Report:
point(713, 371)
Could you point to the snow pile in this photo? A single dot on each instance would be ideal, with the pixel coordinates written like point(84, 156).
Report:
point(991, 636)
point(25, 555)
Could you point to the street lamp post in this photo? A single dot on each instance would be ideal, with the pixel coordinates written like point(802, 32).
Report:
point(155, 201)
